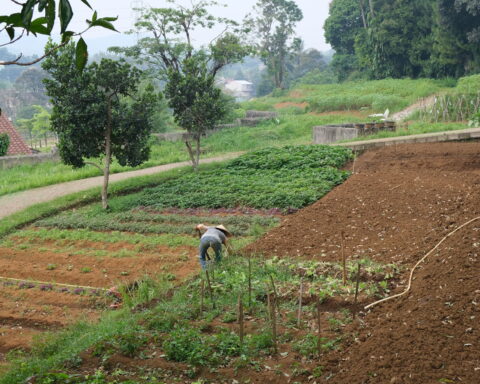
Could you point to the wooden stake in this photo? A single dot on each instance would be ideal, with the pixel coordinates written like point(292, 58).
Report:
point(319, 341)
point(240, 318)
point(356, 291)
point(344, 260)
point(249, 282)
point(269, 306)
point(210, 288)
point(274, 324)
point(300, 297)
point(202, 295)
point(276, 295)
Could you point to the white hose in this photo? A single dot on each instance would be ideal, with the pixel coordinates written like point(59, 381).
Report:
point(419, 262)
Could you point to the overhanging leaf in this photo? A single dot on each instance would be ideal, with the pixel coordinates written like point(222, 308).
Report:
point(104, 24)
point(27, 12)
point(66, 14)
point(86, 3)
point(81, 54)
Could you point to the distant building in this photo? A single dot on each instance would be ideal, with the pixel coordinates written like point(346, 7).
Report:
point(240, 89)
point(17, 144)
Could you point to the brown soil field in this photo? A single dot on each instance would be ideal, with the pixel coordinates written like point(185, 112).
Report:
point(363, 115)
point(287, 104)
point(104, 271)
point(26, 313)
point(399, 203)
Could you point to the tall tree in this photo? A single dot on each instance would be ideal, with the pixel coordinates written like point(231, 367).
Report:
point(346, 21)
point(273, 24)
point(168, 51)
point(15, 26)
point(98, 113)
point(398, 41)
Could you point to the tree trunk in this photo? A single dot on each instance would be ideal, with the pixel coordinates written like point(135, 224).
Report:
point(108, 154)
point(194, 153)
point(190, 153)
point(197, 159)
point(371, 8)
point(362, 10)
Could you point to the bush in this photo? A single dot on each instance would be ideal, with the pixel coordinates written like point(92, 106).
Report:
point(4, 143)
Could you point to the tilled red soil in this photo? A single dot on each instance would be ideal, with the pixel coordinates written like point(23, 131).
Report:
point(398, 205)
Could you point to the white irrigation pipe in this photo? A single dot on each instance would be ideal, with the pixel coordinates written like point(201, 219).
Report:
point(50, 283)
point(419, 262)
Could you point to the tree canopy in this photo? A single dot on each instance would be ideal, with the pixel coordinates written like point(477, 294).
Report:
point(273, 24)
point(100, 112)
point(399, 38)
point(168, 51)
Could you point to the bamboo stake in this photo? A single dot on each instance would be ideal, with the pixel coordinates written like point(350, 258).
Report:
point(344, 260)
point(319, 340)
point(274, 324)
point(356, 291)
point(269, 305)
point(277, 302)
point(240, 318)
point(299, 315)
point(250, 282)
point(210, 288)
point(202, 295)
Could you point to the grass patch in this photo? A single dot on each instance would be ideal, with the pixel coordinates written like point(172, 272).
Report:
point(23, 177)
point(50, 208)
point(377, 96)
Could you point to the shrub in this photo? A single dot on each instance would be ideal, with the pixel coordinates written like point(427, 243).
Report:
point(186, 345)
point(4, 143)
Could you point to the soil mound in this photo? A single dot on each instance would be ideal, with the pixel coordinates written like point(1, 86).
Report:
point(400, 202)
point(430, 336)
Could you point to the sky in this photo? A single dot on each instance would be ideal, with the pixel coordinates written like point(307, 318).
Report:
point(310, 29)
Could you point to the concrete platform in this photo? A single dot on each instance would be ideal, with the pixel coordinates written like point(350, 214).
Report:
point(463, 134)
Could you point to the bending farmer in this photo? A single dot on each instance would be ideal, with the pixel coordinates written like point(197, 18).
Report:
point(213, 237)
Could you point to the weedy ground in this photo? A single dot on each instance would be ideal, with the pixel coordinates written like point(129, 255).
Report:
point(176, 334)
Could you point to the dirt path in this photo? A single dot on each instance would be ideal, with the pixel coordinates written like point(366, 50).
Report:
point(16, 202)
point(422, 103)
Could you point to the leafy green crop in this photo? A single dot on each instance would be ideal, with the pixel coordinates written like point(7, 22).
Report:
point(289, 178)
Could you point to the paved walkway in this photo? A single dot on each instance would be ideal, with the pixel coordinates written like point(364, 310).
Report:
point(12, 203)
point(463, 134)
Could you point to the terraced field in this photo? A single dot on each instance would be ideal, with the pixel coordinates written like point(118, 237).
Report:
point(58, 270)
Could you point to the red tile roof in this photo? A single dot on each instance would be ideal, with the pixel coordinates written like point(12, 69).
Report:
point(17, 144)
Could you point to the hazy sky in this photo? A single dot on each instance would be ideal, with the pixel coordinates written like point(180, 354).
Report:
point(310, 29)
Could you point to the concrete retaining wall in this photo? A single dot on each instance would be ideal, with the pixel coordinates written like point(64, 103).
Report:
point(12, 161)
point(328, 134)
point(459, 135)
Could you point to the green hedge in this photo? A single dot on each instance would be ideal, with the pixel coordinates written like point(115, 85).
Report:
point(4, 143)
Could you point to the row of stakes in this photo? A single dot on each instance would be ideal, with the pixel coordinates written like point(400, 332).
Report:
point(273, 302)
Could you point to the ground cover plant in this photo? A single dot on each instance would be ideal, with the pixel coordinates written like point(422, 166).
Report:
point(199, 327)
point(289, 178)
